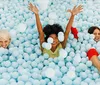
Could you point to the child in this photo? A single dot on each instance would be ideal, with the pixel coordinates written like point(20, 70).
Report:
point(92, 53)
point(5, 38)
point(53, 30)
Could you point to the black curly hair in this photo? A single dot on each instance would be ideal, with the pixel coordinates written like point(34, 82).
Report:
point(91, 29)
point(52, 29)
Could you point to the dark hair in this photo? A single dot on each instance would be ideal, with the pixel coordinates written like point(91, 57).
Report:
point(52, 29)
point(91, 29)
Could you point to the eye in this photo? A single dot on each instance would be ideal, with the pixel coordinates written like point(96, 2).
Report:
point(98, 33)
point(95, 33)
point(6, 41)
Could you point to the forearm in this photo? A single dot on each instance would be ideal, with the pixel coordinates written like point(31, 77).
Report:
point(68, 28)
point(40, 30)
point(39, 25)
point(69, 25)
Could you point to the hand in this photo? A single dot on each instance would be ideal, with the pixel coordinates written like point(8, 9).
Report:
point(33, 8)
point(76, 10)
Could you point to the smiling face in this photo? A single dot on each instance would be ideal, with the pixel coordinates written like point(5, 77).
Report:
point(55, 40)
point(97, 35)
point(4, 42)
point(4, 38)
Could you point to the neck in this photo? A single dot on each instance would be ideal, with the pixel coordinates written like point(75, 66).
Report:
point(54, 48)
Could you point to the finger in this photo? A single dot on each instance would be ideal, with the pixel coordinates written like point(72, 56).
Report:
point(74, 7)
point(30, 3)
point(68, 10)
point(80, 7)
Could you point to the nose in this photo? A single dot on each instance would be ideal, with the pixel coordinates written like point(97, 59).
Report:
point(4, 45)
point(97, 38)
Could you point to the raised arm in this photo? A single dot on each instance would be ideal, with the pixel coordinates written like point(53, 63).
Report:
point(73, 12)
point(39, 26)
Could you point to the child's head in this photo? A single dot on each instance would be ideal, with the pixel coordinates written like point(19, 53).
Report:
point(4, 38)
point(96, 31)
point(52, 31)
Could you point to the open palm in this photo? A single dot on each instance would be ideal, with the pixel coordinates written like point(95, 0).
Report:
point(76, 10)
point(33, 8)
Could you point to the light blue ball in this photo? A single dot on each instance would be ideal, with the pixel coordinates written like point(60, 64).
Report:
point(12, 58)
point(15, 53)
point(88, 80)
point(15, 64)
point(34, 64)
point(37, 82)
point(5, 57)
point(52, 64)
point(46, 56)
point(1, 59)
point(61, 63)
point(68, 82)
point(7, 63)
point(46, 62)
point(6, 76)
point(84, 60)
point(29, 36)
point(20, 61)
point(21, 39)
point(34, 41)
point(83, 54)
point(12, 80)
point(3, 69)
point(13, 83)
point(89, 63)
point(41, 58)
point(16, 43)
point(33, 56)
point(51, 83)
point(38, 52)
point(3, 81)
point(69, 59)
point(10, 69)
point(50, 59)
point(43, 82)
point(24, 78)
point(58, 73)
point(84, 83)
point(28, 50)
point(83, 75)
point(95, 76)
point(64, 69)
point(14, 75)
point(21, 83)
point(28, 83)
point(71, 54)
point(59, 82)
point(25, 65)
point(77, 81)
point(40, 66)
point(54, 79)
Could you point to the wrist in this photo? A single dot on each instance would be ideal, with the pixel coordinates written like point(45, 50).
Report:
point(36, 14)
point(72, 15)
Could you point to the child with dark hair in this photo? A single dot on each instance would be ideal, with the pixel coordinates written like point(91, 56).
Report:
point(96, 31)
point(91, 53)
point(52, 31)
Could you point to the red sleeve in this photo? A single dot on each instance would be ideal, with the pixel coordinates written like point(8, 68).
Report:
point(92, 52)
point(74, 32)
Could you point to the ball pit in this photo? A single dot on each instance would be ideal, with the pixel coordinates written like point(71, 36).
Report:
point(24, 64)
